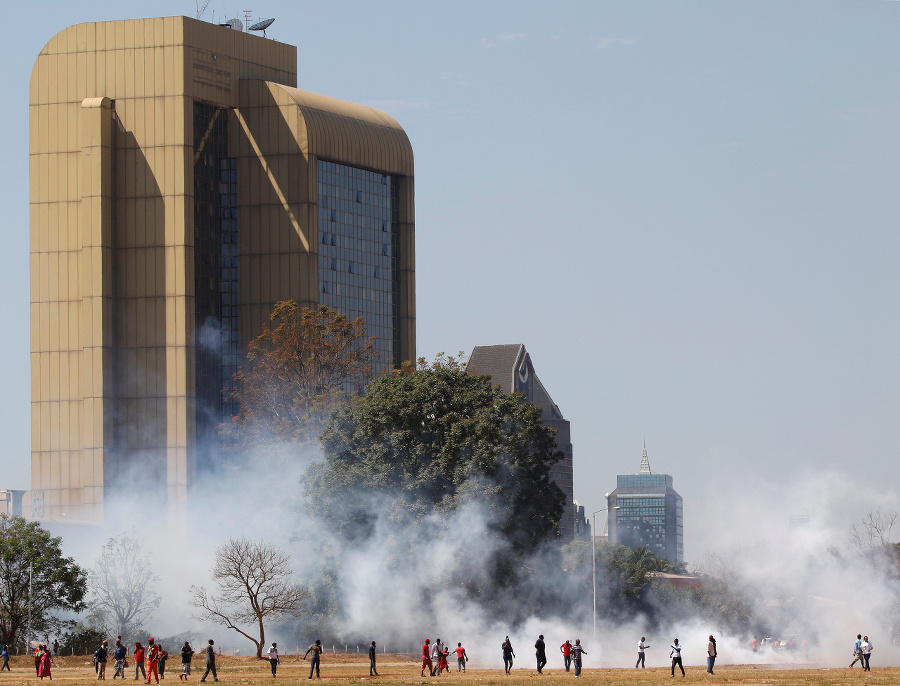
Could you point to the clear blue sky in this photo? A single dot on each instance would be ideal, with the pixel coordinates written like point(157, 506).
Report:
point(686, 211)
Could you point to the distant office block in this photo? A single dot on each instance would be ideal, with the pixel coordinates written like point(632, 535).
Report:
point(181, 185)
point(650, 513)
point(509, 367)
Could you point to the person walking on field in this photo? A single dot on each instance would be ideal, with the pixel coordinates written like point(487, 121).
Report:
point(163, 656)
point(857, 651)
point(866, 649)
point(152, 661)
point(139, 661)
point(437, 651)
point(426, 658)
point(274, 661)
point(676, 657)
point(44, 670)
point(210, 661)
point(461, 657)
point(540, 652)
point(5, 655)
point(119, 657)
point(186, 654)
point(508, 654)
point(316, 650)
point(641, 656)
point(566, 650)
point(101, 656)
point(711, 655)
point(372, 670)
point(577, 651)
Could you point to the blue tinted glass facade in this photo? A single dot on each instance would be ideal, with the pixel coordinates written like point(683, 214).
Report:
point(359, 245)
point(650, 514)
point(643, 480)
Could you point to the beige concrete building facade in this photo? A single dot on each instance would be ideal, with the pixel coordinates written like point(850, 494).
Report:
point(181, 185)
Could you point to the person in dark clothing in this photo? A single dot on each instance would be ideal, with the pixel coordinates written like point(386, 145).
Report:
point(372, 670)
point(210, 662)
point(5, 655)
point(508, 654)
point(119, 657)
point(186, 654)
point(101, 657)
point(540, 652)
point(577, 651)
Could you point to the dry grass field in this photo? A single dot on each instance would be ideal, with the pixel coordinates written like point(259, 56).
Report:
point(400, 669)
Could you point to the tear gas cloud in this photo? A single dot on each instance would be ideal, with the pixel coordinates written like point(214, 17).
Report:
point(802, 582)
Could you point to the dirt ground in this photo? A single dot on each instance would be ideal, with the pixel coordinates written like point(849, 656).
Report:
point(401, 669)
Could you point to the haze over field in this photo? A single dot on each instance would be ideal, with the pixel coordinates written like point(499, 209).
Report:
point(686, 212)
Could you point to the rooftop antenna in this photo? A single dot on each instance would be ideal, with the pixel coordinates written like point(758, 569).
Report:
point(262, 25)
point(248, 16)
point(645, 463)
point(201, 10)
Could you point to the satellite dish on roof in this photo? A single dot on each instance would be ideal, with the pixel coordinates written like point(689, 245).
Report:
point(234, 24)
point(262, 25)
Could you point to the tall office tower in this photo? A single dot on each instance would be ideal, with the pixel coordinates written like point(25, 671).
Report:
point(181, 185)
point(509, 367)
point(650, 514)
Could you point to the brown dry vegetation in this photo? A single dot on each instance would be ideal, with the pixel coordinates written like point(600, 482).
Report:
point(341, 668)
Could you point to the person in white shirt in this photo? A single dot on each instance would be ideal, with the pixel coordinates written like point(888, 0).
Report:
point(273, 657)
point(437, 650)
point(641, 648)
point(866, 648)
point(711, 655)
point(676, 657)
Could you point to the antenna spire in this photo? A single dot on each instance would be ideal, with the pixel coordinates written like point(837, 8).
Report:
point(645, 463)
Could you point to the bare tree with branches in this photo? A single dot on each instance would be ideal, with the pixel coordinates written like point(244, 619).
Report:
point(872, 535)
point(253, 580)
point(123, 586)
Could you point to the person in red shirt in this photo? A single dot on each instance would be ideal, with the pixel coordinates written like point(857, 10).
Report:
point(461, 657)
point(426, 658)
point(566, 650)
point(443, 663)
point(139, 660)
point(152, 661)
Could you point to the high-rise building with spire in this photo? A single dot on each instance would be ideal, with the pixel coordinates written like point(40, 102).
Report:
point(648, 513)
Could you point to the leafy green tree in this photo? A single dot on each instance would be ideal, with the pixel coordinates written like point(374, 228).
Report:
point(57, 583)
point(624, 580)
point(303, 366)
point(428, 440)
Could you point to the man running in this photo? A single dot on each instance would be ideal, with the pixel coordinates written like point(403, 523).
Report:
point(857, 651)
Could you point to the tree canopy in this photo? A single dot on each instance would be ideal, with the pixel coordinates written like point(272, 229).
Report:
point(426, 440)
point(299, 369)
point(57, 583)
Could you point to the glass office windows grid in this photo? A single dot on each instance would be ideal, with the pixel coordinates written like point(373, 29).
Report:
point(359, 251)
point(643, 480)
point(210, 146)
point(228, 283)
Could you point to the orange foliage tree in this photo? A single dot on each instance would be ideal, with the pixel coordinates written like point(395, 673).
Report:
point(304, 365)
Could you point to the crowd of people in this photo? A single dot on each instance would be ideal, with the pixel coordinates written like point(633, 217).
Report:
point(150, 661)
